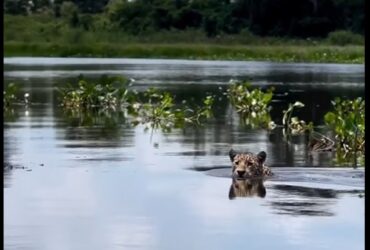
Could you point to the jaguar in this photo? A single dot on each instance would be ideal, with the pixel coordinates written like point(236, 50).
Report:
point(249, 165)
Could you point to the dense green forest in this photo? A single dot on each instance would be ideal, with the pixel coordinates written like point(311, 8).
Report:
point(292, 18)
point(188, 29)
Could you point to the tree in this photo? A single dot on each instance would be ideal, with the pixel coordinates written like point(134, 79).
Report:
point(91, 6)
point(17, 7)
point(133, 17)
point(69, 11)
point(210, 25)
point(187, 17)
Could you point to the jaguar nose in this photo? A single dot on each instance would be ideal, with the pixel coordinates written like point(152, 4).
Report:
point(240, 173)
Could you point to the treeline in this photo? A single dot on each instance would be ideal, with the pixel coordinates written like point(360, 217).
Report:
point(284, 18)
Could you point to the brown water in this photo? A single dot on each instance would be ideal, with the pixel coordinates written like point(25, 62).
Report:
point(112, 186)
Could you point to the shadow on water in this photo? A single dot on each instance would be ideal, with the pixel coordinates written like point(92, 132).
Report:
point(308, 201)
point(297, 201)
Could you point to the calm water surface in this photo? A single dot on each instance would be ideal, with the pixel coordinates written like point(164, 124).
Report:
point(112, 186)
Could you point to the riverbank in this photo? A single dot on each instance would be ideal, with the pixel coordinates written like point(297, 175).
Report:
point(43, 35)
point(277, 53)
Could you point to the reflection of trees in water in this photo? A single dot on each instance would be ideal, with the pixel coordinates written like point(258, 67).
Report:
point(228, 129)
point(7, 165)
point(291, 152)
point(9, 149)
point(218, 137)
point(10, 115)
point(317, 101)
point(201, 136)
point(94, 128)
point(194, 94)
point(100, 124)
point(215, 138)
point(40, 89)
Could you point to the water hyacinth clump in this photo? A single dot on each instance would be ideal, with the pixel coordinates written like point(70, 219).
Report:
point(251, 104)
point(9, 95)
point(109, 92)
point(293, 125)
point(347, 120)
point(159, 109)
point(152, 108)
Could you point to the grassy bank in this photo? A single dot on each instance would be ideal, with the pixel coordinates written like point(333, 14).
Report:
point(42, 35)
point(280, 53)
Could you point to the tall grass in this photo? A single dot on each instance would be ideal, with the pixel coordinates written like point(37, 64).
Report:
point(343, 37)
point(40, 28)
point(334, 54)
point(45, 36)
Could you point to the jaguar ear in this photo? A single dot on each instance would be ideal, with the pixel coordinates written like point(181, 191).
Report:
point(261, 156)
point(232, 154)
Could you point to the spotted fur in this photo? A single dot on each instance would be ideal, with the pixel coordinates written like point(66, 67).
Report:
point(249, 165)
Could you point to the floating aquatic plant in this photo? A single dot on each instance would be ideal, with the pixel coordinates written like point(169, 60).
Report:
point(293, 125)
point(153, 108)
point(347, 120)
point(108, 92)
point(158, 109)
point(251, 104)
point(10, 94)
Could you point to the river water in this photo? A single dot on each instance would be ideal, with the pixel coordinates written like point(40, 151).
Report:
point(107, 185)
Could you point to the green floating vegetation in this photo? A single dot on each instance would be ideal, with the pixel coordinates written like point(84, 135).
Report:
point(158, 109)
point(251, 104)
point(10, 100)
point(110, 102)
point(152, 108)
point(109, 92)
point(293, 125)
point(347, 120)
point(343, 158)
point(10, 95)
